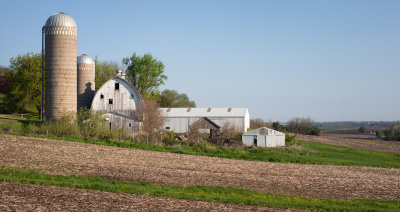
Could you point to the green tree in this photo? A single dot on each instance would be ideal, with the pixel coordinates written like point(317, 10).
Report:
point(392, 134)
point(146, 74)
point(278, 126)
point(379, 134)
point(171, 98)
point(104, 72)
point(25, 78)
point(363, 129)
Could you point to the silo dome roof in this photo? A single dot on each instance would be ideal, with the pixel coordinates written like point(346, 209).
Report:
point(85, 59)
point(60, 19)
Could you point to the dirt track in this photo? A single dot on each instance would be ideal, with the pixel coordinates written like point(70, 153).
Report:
point(22, 197)
point(323, 181)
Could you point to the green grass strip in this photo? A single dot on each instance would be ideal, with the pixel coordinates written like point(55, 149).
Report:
point(309, 153)
point(203, 193)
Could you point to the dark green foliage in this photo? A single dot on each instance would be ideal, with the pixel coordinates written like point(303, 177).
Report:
point(4, 83)
point(277, 126)
point(379, 134)
point(146, 74)
point(363, 129)
point(203, 193)
point(171, 98)
point(304, 126)
point(290, 140)
point(392, 134)
point(104, 72)
point(26, 84)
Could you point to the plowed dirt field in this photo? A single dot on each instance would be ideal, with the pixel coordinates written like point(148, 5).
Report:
point(360, 142)
point(23, 197)
point(322, 181)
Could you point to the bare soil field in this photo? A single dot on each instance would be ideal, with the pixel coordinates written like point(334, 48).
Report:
point(320, 181)
point(353, 140)
point(25, 197)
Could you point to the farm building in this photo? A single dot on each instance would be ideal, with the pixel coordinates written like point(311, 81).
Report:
point(120, 102)
point(180, 120)
point(264, 137)
point(70, 83)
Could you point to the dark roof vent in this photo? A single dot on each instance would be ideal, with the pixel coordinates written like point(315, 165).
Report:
point(229, 109)
point(169, 109)
point(209, 109)
point(188, 110)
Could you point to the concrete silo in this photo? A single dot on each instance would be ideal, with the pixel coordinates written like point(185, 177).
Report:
point(86, 83)
point(60, 33)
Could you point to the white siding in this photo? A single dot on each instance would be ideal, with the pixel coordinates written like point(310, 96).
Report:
point(179, 119)
point(265, 137)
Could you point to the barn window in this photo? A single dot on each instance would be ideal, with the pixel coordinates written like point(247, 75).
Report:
point(167, 128)
point(110, 101)
point(130, 124)
point(116, 86)
point(101, 96)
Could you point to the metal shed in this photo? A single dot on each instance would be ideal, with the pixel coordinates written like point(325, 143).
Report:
point(180, 119)
point(264, 137)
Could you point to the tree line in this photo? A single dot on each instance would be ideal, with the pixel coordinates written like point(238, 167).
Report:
point(296, 125)
point(21, 82)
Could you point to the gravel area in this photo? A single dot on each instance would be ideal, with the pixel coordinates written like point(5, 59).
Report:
point(24, 197)
point(321, 181)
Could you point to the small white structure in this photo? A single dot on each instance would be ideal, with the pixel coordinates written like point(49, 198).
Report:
point(180, 119)
point(264, 137)
point(120, 102)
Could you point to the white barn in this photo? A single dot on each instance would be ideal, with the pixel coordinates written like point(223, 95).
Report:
point(120, 102)
point(264, 137)
point(180, 119)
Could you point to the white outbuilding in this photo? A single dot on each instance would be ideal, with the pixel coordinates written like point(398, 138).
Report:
point(264, 137)
point(180, 119)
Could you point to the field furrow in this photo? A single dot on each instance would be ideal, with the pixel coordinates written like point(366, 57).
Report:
point(320, 181)
point(25, 197)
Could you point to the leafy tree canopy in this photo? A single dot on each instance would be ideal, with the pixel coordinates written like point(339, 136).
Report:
point(104, 72)
point(146, 74)
point(171, 98)
point(25, 78)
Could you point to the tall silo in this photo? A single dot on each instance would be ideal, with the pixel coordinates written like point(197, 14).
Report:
point(86, 84)
point(60, 33)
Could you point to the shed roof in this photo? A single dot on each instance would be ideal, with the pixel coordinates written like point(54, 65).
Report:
point(263, 131)
point(204, 112)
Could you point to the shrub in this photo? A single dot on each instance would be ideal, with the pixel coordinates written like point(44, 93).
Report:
point(290, 140)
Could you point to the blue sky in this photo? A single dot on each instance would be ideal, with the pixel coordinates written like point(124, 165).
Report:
point(330, 60)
